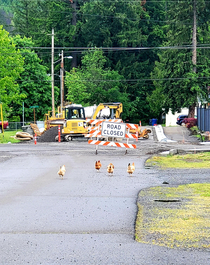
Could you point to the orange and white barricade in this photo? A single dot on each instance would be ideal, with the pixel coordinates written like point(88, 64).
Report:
point(107, 129)
point(113, 144)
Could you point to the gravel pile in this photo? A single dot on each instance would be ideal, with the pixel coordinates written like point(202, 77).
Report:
point(49, 135)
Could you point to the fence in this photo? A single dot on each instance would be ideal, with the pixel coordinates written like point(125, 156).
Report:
point(15, 126)
point(203, 117)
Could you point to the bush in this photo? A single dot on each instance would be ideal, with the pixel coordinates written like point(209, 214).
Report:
point(190, 122)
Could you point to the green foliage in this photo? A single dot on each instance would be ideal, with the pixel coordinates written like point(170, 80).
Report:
point(93, 83)
point(121, 24)
point(176, 81)
point(36, 19)
point(33, 82)
point(11, 66)
point(125, 24)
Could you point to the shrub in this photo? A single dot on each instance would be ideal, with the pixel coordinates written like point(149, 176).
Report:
point(190, 122)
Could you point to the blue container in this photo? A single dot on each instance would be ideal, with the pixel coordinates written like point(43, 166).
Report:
point(154, 121)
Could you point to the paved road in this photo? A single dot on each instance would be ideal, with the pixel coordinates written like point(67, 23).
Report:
point(86, 218)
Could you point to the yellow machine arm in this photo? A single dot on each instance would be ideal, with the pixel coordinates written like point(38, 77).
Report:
point(116, 110)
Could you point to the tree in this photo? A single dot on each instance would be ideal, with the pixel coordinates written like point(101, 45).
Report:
point(11, 66)
point(125, 24)
point(182, 73)
point(36, 19)
point(92, 83)
point(33, 82)
point(102, 24)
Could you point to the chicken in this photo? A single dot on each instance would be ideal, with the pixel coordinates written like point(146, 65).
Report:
point(133, 166)
point(98, 165)
point(110, 169)
point(62, 171)
point(131, 169)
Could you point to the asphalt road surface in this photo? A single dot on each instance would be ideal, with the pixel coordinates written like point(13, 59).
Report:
point(86, 218)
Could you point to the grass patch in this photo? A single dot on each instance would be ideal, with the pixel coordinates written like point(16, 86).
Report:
point(6, 137)
point(183, 224)
point(199, 160)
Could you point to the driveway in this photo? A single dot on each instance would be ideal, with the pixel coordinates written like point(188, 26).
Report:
point(86, 218)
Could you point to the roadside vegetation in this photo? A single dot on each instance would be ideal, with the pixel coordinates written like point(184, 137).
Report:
point(128, 67)
point(8, 137)
point(197, 160)
point(176, 217)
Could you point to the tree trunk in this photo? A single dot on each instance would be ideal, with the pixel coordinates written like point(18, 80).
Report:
point(74, 22)
point(194, 56)
point(192, 111)
point(194, 39)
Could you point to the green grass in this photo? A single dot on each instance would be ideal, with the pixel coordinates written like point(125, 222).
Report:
point(6, 137)
point(199, 160)
point(185, 224)
point(182, 224)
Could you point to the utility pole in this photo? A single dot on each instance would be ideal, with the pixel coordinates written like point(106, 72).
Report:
point(194, 54)
point(23, 113)
point(62, 80)
point(74, 22)
point(194, 39)
point(52, 75)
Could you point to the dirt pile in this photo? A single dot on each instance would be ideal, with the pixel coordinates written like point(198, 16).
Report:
point(49, 135)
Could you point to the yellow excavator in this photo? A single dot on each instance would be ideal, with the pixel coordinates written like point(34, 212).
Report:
point(114, 111)
point(71, 119)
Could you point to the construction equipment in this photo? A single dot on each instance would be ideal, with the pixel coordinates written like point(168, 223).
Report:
point(142, 134)
point(113, 111)
point(71, 119)
point(74, 123)
point(51, 121)
point(104, 111)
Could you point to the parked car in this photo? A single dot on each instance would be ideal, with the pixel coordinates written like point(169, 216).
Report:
point(6, 125)
point(180, 119)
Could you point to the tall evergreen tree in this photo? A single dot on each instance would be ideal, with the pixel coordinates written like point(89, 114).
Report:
point(35, 19)
point(184, 72)
point(124, 24)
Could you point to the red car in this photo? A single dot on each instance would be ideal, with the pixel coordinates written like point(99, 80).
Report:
point(6, 125)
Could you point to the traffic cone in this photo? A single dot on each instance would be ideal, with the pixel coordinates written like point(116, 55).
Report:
point(35, 139)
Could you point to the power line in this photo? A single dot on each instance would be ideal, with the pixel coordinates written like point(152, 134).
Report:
point(122, 1)
point(125, 80)
point(75, 49)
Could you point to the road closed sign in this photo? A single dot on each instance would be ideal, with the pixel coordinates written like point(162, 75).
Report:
point(113, 129)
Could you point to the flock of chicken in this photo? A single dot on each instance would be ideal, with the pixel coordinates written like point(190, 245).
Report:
point(110, 168)
point(98, 165)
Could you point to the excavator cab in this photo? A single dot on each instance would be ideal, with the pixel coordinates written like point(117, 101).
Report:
point(74, 112)
point(75, 123)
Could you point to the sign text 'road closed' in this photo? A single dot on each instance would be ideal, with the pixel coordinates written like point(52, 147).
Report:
point(113, 129)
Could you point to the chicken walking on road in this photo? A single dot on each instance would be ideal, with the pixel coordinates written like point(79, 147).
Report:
point(110, 169)
point(131, 169)
point(62, 171)
point(98, 165)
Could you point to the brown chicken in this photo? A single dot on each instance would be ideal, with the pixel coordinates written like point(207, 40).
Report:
point(131, 169)
point(133, 166)
point(62, 171)
point(110, 169)
point(98, 165)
